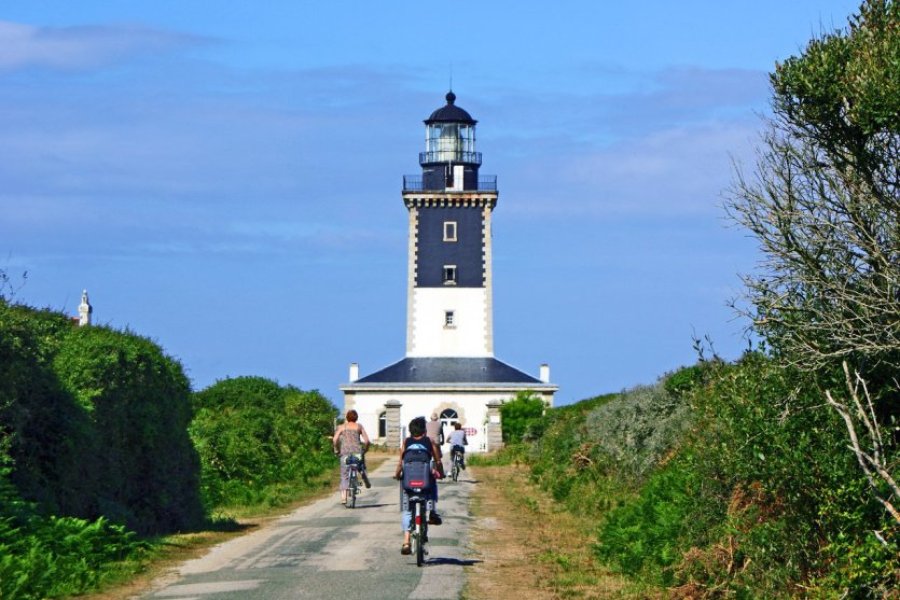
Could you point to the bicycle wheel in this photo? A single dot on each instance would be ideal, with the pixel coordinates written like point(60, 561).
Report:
point(351, 491)
point(421, 523)
point(455, 471)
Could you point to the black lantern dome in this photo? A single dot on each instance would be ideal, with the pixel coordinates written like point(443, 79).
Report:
point(450, 161)
point(450, 113)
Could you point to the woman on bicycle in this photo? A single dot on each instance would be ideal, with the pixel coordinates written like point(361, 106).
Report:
point(417, 441)
point(350, 439)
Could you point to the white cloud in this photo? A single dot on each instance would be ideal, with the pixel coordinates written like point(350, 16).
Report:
point(677, 170)
point(73, 48)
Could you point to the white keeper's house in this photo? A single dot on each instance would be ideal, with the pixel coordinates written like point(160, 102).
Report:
point(449, 368)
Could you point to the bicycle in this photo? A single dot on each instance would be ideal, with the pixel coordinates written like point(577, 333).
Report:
point(418, 525)
point(354, 466)
point(457, 458)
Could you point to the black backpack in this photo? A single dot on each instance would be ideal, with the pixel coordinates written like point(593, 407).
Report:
point(417, 475)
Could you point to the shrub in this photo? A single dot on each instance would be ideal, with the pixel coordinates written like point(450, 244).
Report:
point(519, 414)
point(48, 436)
point(738, 484)
point(632, 433)
point(96, 422)
point(789, 499)
point(687, 379)
point(254, 436)
point(48, 556)
point(647, 535)
point(138, 403)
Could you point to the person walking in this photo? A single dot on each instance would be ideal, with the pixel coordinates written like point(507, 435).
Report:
point(435, 430)
point(351, 439)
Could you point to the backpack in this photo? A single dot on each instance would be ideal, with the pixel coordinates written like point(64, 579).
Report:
point(417, 475)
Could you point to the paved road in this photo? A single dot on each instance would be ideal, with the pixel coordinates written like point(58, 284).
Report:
point(325, 551)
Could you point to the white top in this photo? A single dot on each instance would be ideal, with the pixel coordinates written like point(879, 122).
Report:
point(458, 438)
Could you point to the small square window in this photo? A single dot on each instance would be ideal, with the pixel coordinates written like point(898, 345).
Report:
point(449, 274)
point(449, 231)
point(449, 318)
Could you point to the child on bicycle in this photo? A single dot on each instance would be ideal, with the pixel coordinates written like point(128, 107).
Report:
point(458, 442)
point(417, 441)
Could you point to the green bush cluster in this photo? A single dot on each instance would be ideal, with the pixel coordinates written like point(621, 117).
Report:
point(96, 422)
point(93, 447)
point(519, 415)
point(257, 440)
point(797, 507)
point(739, 484)
point(594, 453)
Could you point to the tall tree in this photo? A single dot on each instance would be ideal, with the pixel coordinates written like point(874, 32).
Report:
point(824, 201)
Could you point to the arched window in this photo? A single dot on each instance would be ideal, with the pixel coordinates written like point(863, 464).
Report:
point(382, 425)
point(448, 418)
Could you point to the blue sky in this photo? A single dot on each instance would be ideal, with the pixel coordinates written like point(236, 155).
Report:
point(225, 177)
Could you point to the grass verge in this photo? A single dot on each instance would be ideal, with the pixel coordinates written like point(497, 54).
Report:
point(529, 548)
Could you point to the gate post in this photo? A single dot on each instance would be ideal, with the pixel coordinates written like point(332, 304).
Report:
point(393, 430)
point(494, 426)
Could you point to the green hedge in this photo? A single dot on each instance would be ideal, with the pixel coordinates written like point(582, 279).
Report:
point(139, 405)
point(519, 415)
point(47, 435)
point(256, 439)
point(95, 422)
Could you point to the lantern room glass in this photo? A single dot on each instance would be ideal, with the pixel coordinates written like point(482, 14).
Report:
point(450, 142)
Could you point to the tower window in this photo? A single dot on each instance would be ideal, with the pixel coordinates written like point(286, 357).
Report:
point(449, 274)
point(449, 318)
point(449, 231)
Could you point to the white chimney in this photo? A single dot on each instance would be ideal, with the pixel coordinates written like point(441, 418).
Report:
point(354, 372)
point(545, 373)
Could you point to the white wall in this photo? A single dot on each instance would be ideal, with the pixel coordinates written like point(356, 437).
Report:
point(470, 336)
point(471, 407)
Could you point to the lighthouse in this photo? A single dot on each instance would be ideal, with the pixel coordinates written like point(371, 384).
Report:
point(449, 369)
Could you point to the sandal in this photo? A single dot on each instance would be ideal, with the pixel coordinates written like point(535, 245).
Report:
point(405, 549)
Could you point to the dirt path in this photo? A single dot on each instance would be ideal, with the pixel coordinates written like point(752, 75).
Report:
point(526, 548)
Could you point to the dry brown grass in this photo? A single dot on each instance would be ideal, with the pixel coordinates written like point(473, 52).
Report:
point(529, 549)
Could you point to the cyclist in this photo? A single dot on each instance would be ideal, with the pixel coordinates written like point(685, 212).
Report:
point(350, 439)
point(458, 442)
point(417, 441)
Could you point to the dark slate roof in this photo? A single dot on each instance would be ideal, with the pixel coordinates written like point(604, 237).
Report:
point(450, 113)
point(449, 370)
